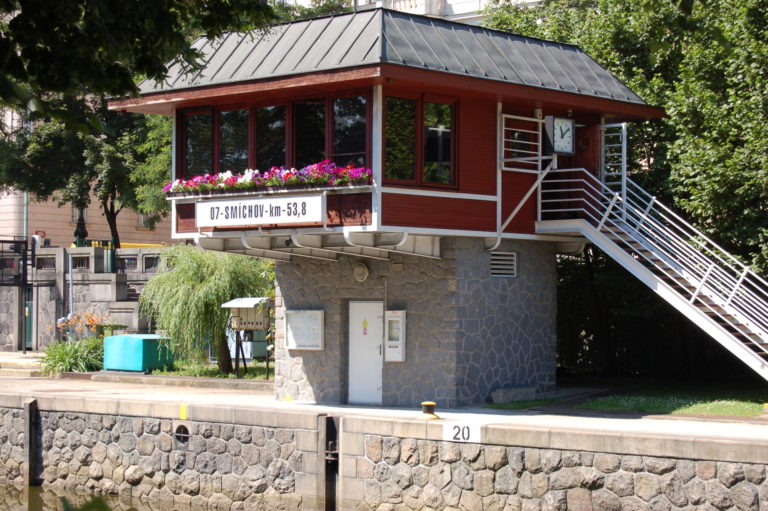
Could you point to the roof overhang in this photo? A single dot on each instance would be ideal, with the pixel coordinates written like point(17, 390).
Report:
point(355, 49)
point(164, 103)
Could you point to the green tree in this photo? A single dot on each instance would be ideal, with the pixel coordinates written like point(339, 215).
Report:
point(119, 166)
point(706, 64)
point(287, 11)
point(151, 141)
point(79, 47)
point(185, 299)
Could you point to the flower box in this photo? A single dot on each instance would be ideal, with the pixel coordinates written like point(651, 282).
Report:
point(322, 175)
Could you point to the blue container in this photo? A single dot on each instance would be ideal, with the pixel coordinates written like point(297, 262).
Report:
point(136, 352)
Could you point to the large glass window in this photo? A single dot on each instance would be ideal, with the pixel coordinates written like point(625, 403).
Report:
point(419, 141)
point(198, 144)
point(270, 137)
point(309, 129)
point(438, 125)
point(233, 140)
point(349, 131)
point(400, 138)
point(261, 137)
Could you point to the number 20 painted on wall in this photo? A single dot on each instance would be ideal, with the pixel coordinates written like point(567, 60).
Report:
point(461, 432)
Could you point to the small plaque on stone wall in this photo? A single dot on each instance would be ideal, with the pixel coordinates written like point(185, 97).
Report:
point(304, 330)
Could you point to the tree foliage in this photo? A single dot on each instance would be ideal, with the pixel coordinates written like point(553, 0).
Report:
point(78, 47)
point(122, 165)
point(287, 11)
point(185, 299)
point(706, 64)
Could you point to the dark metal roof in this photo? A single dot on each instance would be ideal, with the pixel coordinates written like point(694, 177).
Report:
point(383, 36)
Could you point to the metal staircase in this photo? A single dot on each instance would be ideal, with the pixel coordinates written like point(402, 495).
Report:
point(696, 276)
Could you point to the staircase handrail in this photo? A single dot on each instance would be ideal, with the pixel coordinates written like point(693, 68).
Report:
point(744, 280)
point(713, 276)
point(658, 222)
point(699, 234)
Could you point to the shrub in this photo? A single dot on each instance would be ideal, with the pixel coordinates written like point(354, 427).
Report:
point(75, 356)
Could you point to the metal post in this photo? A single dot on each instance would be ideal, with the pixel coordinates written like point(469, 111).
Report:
point(81, 233)
point(624, 170)
point(22, 296)
point(736, 287)
point(608, 211)
point(30, 442)
point(701, 284)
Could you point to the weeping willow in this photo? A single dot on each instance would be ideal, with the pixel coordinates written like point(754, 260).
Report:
point(184, 299)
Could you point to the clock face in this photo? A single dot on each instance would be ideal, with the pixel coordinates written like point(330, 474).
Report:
point(562, 136)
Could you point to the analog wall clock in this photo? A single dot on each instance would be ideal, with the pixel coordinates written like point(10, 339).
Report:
point(561, 136)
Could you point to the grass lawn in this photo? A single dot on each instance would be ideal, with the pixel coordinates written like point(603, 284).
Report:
point(256, 371)
point(677, 401)
point(520, 405)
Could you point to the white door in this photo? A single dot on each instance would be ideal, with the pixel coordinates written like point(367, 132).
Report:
point(366, 360)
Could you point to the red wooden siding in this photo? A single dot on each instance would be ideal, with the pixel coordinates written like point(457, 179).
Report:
point(515, 185)
point(185, 218)
point(477, 146)
point(438, 212)
point(587, 148)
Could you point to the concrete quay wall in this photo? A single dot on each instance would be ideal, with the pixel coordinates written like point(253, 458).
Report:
point(232, 459)
point(406, 465)
point(270, 458)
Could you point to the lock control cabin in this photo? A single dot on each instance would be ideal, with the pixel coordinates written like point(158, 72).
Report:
point(451, 120)
point(394, 165)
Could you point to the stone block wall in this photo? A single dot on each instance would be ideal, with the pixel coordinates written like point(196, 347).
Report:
point(9, 318)
point(506, 328)
point(446, 475)
point(222, 465)
point(11, 445)
point(393, 472)
point(94, 291)
point(468, 334)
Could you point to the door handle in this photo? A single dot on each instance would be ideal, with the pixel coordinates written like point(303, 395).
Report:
point(379, 349)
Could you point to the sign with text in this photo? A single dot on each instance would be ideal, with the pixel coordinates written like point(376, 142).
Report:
point(301, 209)
point(462, 431)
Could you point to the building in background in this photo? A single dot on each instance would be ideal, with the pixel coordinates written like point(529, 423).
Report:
point(464, 11)
point(56, 224)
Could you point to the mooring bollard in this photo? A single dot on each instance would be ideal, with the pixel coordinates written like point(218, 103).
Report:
point(428, 411)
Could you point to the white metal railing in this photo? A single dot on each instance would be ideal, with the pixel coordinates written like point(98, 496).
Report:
point(521, 144)
point(705, 274)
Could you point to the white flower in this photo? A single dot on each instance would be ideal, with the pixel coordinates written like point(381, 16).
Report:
point(247, 176)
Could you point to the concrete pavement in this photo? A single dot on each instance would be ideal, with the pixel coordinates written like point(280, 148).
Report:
point(72, 392)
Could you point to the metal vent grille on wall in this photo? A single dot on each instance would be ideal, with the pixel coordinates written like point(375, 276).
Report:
point(503, 264)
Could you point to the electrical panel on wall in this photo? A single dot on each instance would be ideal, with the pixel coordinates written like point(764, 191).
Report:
point(394, 336)
point(250, 319)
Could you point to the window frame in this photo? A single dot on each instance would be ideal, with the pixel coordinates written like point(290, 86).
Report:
point(331, 124)
point(290, 128)
point(418, 171)
point(181, 138)
point(217, 132)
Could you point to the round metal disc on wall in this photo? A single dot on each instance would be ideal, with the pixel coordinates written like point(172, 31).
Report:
point(360, 271)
